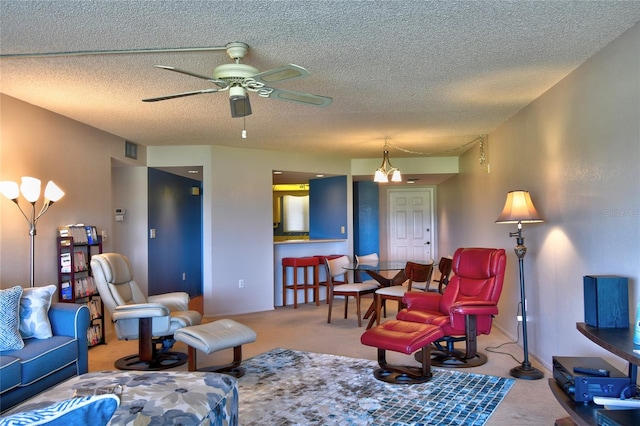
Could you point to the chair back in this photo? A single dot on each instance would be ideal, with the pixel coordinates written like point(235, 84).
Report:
point(418, 273)
point(113, 276)
point(335, 268)
point(444, 271)
point(478, 275)
point(369, 259)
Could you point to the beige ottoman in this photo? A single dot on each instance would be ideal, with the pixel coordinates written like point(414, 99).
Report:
point(216, 336)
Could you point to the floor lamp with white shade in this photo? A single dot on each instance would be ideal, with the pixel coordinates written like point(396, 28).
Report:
point(30, 189)
point(520, 209)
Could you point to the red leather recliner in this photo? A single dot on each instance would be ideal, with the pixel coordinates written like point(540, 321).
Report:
point(465, 309)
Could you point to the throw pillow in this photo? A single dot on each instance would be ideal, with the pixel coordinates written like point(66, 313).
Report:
point(89, 410)
point(10, 339)
point(34, 312)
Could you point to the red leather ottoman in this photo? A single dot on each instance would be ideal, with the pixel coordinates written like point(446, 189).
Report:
point(405, 337)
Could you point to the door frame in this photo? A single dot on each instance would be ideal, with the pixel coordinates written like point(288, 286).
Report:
point(385, 222)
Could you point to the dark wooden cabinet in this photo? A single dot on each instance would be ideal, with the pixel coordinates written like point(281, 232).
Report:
point(75, 282)
point(618, 341)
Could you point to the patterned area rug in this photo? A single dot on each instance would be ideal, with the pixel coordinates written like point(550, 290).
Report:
point(287, 387)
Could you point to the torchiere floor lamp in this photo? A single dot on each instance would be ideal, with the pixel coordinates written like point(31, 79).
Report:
point(30, 189)
point(519, 209)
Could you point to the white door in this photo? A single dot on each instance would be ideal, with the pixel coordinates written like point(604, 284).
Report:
point(411, 224)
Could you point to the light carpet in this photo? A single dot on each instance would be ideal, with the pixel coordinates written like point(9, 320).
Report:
point(287, 387)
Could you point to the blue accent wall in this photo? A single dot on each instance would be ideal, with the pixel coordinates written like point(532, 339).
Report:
point(366, 218)
point(328, 208)
point(176, 215)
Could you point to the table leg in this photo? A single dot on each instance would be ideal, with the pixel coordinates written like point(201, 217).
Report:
point(372, 312)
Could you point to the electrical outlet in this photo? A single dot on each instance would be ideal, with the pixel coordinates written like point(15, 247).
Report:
point(519, 318)
point(184, 276)
point(240, 283)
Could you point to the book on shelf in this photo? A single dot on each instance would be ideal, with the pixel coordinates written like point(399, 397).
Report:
point(65, 263)
point(94, 334)
point(65, 291)
point(80, 261)
point(84, 287)
point(80, 233)
point(92, 234)
point(77, 232)
point(78, 285)
point(94, 308)
point(91, 286)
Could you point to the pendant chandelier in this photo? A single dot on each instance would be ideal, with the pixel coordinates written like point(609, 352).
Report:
point(386, 169)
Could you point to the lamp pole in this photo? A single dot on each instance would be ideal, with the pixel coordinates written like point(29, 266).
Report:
point(32, 236)
point(524, 370)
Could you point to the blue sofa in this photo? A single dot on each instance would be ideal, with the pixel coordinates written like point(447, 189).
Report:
point(44, 363)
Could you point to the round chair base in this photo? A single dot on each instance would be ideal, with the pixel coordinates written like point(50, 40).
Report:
point(399, 378)
point(162, 361)
point(453, 360)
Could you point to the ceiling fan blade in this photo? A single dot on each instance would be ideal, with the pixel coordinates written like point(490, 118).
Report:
point(112, 52)
point(180, 95)
point(300, 97)
point(286, 72)
point(221, 83)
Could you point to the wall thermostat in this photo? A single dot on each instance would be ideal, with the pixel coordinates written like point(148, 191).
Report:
point(119, 214)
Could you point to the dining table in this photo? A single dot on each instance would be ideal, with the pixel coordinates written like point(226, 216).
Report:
point(377, 272)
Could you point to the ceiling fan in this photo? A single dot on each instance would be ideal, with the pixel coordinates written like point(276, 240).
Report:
point(239, 78)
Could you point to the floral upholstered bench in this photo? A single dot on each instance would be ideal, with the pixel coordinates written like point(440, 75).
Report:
point(155, 397)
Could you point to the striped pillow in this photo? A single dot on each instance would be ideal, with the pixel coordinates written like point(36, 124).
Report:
point(10, 339)
point(89, 410)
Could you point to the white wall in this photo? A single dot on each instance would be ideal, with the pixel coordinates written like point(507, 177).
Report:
point(129, 237)
point(577, 150)
point(36, 142)
point(238, 223)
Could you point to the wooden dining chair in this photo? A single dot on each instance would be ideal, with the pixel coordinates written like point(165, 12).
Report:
point(368, 259)
point(444, 271)
point(337, 272)
point(418, 278)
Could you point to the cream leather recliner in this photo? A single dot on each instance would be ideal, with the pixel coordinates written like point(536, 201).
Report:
point(152, 320)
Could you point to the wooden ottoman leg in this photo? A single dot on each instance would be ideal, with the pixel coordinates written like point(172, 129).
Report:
point(233, 368)
point(191, 359)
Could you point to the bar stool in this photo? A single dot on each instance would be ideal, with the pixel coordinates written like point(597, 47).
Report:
point(295, 263)
point(322, 264)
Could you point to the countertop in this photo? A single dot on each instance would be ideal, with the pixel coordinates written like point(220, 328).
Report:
point(308, 241)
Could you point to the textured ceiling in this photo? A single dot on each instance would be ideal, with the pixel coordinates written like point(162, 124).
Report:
point(430, 76)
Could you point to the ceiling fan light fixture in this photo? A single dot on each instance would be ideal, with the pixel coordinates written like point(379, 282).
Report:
point(239, 101)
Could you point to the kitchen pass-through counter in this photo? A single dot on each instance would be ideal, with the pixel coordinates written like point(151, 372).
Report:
point(302, 248)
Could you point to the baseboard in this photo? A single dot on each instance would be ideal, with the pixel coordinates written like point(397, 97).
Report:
point(532, 355)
